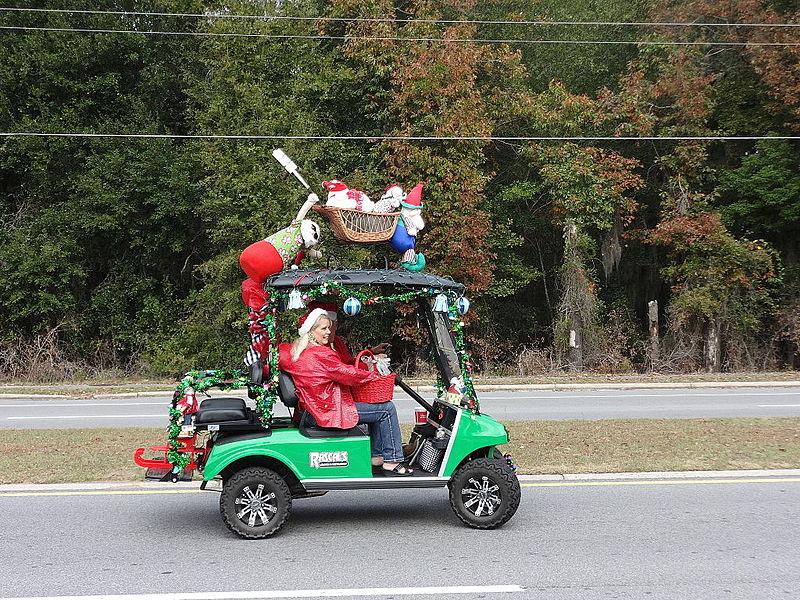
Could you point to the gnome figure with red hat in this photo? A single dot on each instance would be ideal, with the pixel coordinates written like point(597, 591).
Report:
point(410, 223)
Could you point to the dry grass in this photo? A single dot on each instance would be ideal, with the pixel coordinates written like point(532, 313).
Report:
point(676, 378)
point(655, 445)
point(73, 455)
point(77, 455)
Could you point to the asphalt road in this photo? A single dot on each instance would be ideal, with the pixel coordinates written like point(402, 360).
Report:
point(674, 539)
point(146, 411)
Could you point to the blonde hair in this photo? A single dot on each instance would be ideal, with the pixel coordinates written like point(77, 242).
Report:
point(301, 343)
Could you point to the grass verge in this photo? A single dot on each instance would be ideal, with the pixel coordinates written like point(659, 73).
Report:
point(102, 387)
point(612, 446)
point(78, 455)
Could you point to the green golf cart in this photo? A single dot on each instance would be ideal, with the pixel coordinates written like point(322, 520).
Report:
point(264, 462)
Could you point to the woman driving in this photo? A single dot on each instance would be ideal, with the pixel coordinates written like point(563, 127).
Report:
point(322, 381)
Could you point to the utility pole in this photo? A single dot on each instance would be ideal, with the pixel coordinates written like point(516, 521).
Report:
point(573, 313)
point(713, 342)
point(655, 345)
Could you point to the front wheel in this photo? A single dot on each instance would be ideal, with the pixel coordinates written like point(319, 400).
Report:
point(255, 503)
point(484, 493)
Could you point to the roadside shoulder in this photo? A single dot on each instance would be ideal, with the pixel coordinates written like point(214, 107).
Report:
point(426, 388)
point(133, 486)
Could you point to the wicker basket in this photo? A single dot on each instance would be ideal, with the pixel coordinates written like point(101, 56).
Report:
point(374, 392)
point(359, 227)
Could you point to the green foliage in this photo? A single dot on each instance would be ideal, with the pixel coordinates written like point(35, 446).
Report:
point(128, 248)
point(762, 196)
point(717, 276)
point(584, 69)
point(89, 241)
point(586, 187)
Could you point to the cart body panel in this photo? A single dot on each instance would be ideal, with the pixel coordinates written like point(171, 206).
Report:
point(307, 458)
point(471, 432)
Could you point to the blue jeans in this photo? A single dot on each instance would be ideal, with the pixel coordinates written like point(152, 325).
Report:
point(384, 429)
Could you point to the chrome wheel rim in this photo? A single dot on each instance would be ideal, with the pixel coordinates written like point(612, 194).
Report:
point(481, 496)
point(255, 508)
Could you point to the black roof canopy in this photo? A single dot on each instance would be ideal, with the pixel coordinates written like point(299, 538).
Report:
point(395, 278)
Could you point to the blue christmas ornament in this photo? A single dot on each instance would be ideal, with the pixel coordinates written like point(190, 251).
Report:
point(462, 305)
point(351, 306)
point(440, 304)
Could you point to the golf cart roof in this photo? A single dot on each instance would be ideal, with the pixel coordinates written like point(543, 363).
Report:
point(395, 278)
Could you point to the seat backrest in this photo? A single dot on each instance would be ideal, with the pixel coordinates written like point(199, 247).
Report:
point(287, 390)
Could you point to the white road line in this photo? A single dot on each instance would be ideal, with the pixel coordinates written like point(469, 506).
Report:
point(778, 405)
point(486, 395)
point(632, 396)
point(39, 418)
point(80, 404)
point(661, 482)
point(324, 593)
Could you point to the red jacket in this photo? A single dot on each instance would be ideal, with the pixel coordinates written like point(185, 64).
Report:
point(340, 347)
point(323, 384)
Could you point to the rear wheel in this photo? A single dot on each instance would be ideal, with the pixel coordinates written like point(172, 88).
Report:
point(255, 502)
point(484, 493)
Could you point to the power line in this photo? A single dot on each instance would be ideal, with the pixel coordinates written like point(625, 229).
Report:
point(390, 20)
point(415, 138)
point(392, 38)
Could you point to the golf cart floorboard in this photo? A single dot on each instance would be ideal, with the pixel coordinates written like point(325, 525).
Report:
point(419, 479)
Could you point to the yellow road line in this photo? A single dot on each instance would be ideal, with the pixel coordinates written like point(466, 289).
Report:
point(97, 493)
point(662, 482)
point(536, 484)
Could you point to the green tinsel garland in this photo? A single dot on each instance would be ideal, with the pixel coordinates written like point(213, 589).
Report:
point(201, 381)
point(464, 358)
point(267, 394)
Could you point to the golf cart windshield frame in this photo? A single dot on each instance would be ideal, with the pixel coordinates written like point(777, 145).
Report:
point(442, 345)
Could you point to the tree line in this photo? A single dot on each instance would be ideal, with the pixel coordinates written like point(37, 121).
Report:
point(610, 253)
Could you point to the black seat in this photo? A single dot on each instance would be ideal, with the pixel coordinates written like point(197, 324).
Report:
point(222, 403)
point(286, 390)
point(288, 394)
point(221, 410)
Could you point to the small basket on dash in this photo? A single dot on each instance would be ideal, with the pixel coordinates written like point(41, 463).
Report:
point(357, 226)
point(373, 392)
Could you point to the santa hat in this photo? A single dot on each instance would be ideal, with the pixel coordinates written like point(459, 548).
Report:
point(328, 307)
point(334, 185)
point(414, 198)
point(311, 320)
